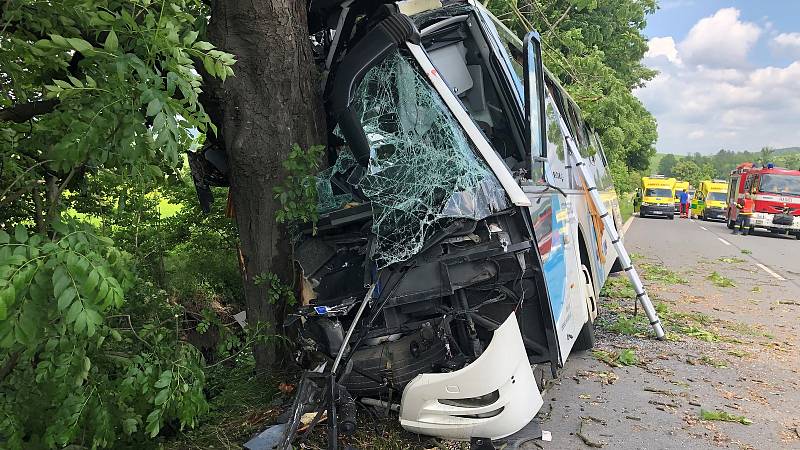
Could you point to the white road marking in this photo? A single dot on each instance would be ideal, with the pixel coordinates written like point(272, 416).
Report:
point(724, 241)
point(771, 272)
point(703, 228)
point(627, 225)
point(691, 220)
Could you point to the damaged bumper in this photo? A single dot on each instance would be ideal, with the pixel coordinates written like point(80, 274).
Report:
point(493, 397)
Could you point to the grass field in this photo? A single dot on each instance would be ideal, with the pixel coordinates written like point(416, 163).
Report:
point(625, 206)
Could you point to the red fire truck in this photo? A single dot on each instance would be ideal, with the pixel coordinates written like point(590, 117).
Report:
point(776, 193)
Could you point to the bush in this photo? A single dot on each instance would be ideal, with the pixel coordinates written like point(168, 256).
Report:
point(80, 365)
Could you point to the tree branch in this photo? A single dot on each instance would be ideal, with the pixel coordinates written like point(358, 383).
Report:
point(23, 112)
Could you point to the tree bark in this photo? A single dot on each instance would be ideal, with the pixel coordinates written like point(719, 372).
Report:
point(270, 103)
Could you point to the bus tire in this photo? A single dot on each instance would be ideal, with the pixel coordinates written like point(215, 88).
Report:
point(586, 338)
point(672, 217)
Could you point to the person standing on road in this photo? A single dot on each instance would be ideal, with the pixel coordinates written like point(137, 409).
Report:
point(684, 199)
point(746, 207)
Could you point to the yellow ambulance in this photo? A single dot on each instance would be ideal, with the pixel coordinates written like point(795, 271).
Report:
point(710, 200)
point(656, 197)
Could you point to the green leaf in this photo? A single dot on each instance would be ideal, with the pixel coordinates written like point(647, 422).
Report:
point(153, 423)
point(112, 43)
point(190, 37)
point(80, 45)
point(61, 280)
point(3, 309)
point(20, 234)
point(59, 40)
point(164, 380)
point(129, 426)
point(153, 107)
point(66, 297)
point(4, 237)
point(203, 45)
point(75, 82)
point(74, 311)
point(91, 281)
point(161, 397)
point(208, 65)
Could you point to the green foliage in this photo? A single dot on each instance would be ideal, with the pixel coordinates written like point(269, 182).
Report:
point(666, 164)
point(720, 164)
point(98, 101)
point(278, 291)
point(626, 357)
point(720, 281)
point(653, 272)
point(688, 170)
point(731, 259)
point(298, 193)
point(618, 287)
point(116, 88)
point(595, 49)
point(76, 372)
point(723, 416)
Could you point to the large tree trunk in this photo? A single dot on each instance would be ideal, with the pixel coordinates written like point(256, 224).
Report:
point(270, 103)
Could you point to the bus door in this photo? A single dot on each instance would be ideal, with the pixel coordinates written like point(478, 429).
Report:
point(552, 197)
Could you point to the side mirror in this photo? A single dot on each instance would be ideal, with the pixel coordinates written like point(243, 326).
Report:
point(533, 72)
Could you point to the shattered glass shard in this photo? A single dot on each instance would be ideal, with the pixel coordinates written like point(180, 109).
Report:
point(423, 170)
point(326, 199)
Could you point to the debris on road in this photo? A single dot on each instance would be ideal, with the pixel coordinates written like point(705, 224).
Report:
point(723, 416)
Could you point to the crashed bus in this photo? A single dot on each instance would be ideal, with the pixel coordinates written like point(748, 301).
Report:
point(456, 248)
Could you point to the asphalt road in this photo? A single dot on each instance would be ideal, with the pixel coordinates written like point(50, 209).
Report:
point(743, 361)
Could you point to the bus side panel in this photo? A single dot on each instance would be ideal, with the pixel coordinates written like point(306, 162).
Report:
point(556, 229)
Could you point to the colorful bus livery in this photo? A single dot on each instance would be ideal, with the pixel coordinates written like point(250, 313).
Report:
point(775, 193)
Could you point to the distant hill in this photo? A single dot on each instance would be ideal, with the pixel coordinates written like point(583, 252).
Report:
point(787, 150)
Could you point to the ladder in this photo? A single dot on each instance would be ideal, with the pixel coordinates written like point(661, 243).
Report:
point(605, 216)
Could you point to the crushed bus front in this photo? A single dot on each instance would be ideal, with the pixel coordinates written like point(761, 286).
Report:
point(456, 248)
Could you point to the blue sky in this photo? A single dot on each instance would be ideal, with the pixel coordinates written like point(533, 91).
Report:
point(729, 74)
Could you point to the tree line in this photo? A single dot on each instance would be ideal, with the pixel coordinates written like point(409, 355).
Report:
point(697, 167)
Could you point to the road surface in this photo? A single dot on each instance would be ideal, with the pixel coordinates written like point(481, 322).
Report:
point(732, 348)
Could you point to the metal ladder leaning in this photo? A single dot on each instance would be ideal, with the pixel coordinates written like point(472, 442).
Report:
point(616, 239)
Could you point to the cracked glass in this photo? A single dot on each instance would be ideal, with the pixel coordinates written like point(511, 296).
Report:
point(423, 171)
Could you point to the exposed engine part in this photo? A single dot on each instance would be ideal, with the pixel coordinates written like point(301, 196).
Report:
point(394, 362)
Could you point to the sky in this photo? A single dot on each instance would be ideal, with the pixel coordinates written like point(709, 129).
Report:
point(729, 74)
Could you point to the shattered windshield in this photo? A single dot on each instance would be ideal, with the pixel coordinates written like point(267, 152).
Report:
point(780, 184)
point(422, 169)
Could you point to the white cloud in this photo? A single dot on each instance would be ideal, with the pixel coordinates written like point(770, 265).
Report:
point(706, 97)
point(721, 40)
point(791, 40)
point(662, 47)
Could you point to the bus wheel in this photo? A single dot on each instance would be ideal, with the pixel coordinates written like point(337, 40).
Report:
point(586, 338)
